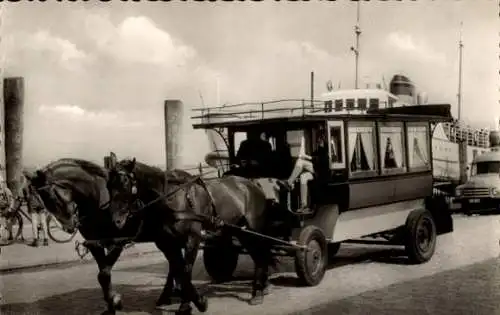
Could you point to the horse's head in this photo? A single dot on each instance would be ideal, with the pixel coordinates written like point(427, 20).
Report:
point(123, 189)
point(58, 198)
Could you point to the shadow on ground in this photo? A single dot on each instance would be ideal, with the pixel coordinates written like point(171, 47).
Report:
point(284, 274)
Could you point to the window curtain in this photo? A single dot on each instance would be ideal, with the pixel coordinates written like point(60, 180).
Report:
point(418, 146)
point(421, 137)
point(367, 139)
point(352, 143)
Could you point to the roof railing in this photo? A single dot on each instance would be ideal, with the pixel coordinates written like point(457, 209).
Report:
point(265, 110)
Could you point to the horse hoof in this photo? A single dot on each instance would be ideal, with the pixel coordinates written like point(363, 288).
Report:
point(184, 310)
point(202, 304)
point(256, 300)
point(266, 291)
point(108, 312)
point(116, 301)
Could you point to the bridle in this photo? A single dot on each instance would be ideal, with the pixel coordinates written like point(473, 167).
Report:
point(76, 218)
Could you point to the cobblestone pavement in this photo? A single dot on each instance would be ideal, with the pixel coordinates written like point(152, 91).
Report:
point(462, 278)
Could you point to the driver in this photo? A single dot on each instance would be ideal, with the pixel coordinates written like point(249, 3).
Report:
point(255, 154)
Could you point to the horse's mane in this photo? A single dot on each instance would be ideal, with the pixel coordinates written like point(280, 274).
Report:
point(146, 174)
point(91, 168)
point(155, 176)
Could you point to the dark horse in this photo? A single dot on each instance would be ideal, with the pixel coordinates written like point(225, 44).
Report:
point(185, 205)
point(75, 192)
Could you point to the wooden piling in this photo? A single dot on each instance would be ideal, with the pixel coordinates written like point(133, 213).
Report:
point(173, 133)
point(13, 95)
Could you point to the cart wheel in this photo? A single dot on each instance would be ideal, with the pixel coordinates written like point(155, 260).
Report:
point(310, 263)
point(220, 261)
point(15, 220)
point(420, 236)
point(56, 232)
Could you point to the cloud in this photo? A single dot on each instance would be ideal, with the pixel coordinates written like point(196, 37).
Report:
point(406, 43)
point(138, 40)
point(101, 118)
point(42, 48)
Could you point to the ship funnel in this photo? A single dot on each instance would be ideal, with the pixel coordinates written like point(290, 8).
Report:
point(403, 88)
point(495, 140)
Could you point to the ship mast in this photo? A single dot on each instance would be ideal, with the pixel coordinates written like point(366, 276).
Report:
point(357, 31)
point(459, 95)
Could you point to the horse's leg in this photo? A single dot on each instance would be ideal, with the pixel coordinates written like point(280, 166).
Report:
point(105, 264)
point(166, 295)
point(259, 255)
point(191, 252)
point(181, 270)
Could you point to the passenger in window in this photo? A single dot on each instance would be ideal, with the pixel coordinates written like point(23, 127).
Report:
point(255, 155)
point(389, 159)
point(305, 169)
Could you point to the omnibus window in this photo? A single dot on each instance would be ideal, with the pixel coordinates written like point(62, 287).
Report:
point(486, 168)
point(362, 148)
point(418, 146)
point(336, 144)
point(294, 140)
point(239, 137)
point(392, 147)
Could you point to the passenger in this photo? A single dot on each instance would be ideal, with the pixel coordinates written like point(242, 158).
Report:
point(304, 168)
point(5, 202)
point(255, 155)
point(36, 208)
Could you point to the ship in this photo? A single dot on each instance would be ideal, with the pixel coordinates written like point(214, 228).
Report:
point(402, 92)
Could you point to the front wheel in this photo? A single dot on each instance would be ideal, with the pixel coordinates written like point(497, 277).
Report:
point(15, 222)
point(420, 236)
point(311, 262)
point(56, 231)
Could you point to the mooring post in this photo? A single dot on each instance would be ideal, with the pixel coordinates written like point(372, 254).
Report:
point(13, 95)
point(173, 134)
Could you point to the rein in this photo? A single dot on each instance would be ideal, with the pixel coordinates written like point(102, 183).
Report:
point(179, 188)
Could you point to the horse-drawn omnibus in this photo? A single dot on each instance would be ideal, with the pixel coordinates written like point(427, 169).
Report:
point(372, 182)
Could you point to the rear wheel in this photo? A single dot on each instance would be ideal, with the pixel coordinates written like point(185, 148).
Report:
point(311, 262)
point(15, 221)
point(220, 261)
point(420, 236)
point(56, 231)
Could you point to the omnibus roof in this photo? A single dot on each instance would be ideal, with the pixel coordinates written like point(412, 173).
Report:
point(227, 117)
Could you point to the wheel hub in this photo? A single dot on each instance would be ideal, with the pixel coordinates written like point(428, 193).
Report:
point(424, 235)
point(314, 257)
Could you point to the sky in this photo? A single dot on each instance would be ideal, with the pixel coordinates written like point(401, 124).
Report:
point(97, 74)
